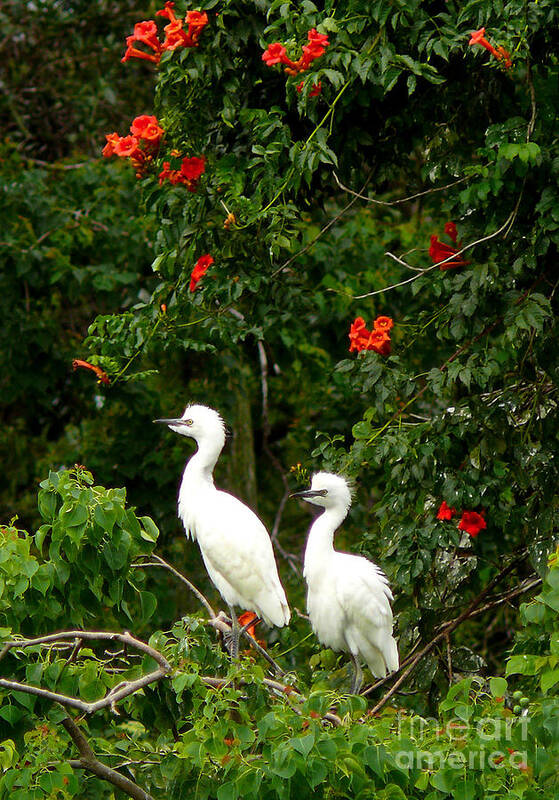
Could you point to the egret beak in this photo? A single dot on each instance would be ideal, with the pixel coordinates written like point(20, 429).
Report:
point(169, 421)
point(310, 493)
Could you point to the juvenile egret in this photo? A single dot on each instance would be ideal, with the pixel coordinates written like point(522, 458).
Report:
point(235, 545)
point(348, 597)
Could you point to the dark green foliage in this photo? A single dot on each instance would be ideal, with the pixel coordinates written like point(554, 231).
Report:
point(75, 571)
point(463, 410)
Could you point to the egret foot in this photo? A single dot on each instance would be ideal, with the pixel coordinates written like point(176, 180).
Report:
point(357, 676)
point(233, 638)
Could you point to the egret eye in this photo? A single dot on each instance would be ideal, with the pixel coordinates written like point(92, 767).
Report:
point(188, 422)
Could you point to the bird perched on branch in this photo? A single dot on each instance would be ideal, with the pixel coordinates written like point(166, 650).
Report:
point(348, 597)
point(235, 545)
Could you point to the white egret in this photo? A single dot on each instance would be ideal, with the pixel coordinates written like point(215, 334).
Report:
point(348, 597)
point(235, 545)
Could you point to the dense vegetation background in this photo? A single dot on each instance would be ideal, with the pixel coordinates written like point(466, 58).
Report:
point(302, 206)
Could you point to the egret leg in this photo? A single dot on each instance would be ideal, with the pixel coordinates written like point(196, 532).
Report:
point(357, 675)
point(235, 635)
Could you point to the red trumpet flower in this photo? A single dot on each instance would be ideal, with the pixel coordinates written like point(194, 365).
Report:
point(472, 522)
point(445, 512)
point(102, 376)
point(189, 174)
point(178, 33)
point(276, 53)
point(378, 339)
point(440, 251)
point(200, 268)
point(478, 37)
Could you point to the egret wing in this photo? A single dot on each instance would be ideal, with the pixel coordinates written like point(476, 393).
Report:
point(237, 548)
point(365, 596)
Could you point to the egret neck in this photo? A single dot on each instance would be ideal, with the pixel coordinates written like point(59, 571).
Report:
point(199, 468)
point(320, 543)
point(197, 478)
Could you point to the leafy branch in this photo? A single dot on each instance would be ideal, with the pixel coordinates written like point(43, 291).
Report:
point(116, 694)
point(89, 761)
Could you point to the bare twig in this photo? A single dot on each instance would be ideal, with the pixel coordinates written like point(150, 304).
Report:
point(524, 587)
point(223, 625)
point(359, 196)
point(56, 165)
point(274, 686)
point(381, 681)
point(264, 387)
point(157, 561)
point(326, 228)
point(277, 518)
point(530, 83)
point(291, 559)
point(506, 224)
point(448, 658)
point(500, 600)
point(126, 689)
point(71, 658)
point(444, 633)
point(89, 762)
point(216, 621)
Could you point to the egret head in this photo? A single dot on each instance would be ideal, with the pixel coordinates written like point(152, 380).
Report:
point(328, 491)
point(199, 423)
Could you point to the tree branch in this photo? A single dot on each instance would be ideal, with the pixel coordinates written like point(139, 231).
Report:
point(327, 227)
point(88, 761)
point(447, 630)
point(215, 620)
point(160, 562)
point(272, 686)
point(506, 224)
point(114, 696)
point(488, 328)
point(401, 200)
point(291, 559)
point(524, 587)
point(223, 625)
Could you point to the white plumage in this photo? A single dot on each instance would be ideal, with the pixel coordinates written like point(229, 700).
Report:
point(348, 597)
point(235, 545)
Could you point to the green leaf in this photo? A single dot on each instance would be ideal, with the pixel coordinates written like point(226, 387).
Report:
point(150, 530)
point(47, 505)
point(91, 688)
point(523, 665)
point(105, 516)
point(551, 599)
point(465, 789)
point(148, 604)
point(11, 714)
point(498, 686)
point(375, 757)
point(116, 550)
point(549, 679)
point(445, 780)
point(73, 516)
point(303, 744)
point(463, 711)
point(227, 791)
